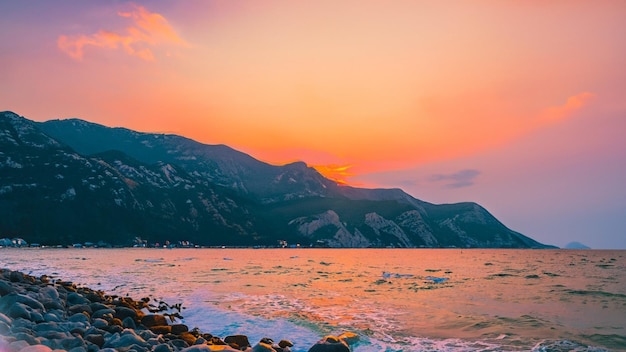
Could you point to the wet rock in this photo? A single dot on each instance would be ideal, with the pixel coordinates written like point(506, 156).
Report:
point(48, 293)
point(147, 334)
point(263, 346)
point(30, 339)
point(18, 310)
point(237, 341)
point(78, 349)
point(161, 329)
point(199, 348)
point(188, 337)
point(214, 340)
point(127, 338)
point(163, 348)
point(96, 306)
point(100, 323)
point(5, 319)
point(5, 288)
point(129, 323)
point(106, 314)
point(80, 308)
point(285, 343)
point(36, 348)
point(153, 320)
point(4, 328)
point(178, 329)
point(18, 345)
point(330, 344)
point(349, 337)
point(204, 348)
point(53, 305)
point(179, 343)
point(116, 321)
point(72, 342)
point(21, 322)
point(74, 298)
point(96, 339)
point(30, 302)
point(36, 317)
point(284, 346)
point(125, 312)
point(201, 341)
point(16, 276)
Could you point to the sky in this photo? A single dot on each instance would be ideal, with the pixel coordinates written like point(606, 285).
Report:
point(519, 106)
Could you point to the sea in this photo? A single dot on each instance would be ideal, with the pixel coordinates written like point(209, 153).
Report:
point(393, 299)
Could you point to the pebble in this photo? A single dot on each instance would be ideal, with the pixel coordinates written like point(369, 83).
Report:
point(44, 315)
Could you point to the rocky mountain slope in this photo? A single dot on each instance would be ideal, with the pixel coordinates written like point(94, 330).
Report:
point(66, 181)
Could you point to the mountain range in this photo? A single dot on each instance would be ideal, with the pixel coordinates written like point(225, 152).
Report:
point(72, 181)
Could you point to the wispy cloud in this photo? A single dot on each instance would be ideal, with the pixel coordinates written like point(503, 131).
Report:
point(148, 30)
point(560, 113)
point(463, 178)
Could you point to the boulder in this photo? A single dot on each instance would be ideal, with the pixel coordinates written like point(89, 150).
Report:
point(263, 346)
point(36, 348)
point(11, 299)
point(5, 288)
point(76, 298)
point(100, 323)
point(205, 348)
point(161, 329)
point(48, 293)
point(72, 342)
point(4, 329)
point(349, 337)
point(178, 329)
point(81, 317)
point(188, 337)
point(237, 341)
point(129, 323)
point(96, 306)
point(125, 312)
point(106, 314)
point(26, 337)
point(5, 319)
point(80, 308)
point(17, 345)
point(163, 348)
point(285, 343)
point(18, 310)
point(153, 320)
point(330, 344)
point(96, 339)
point(127, 338)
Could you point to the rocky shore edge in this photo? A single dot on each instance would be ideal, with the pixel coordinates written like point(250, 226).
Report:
point(38, 314)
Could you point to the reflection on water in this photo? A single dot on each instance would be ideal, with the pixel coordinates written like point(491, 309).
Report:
point(469, 299)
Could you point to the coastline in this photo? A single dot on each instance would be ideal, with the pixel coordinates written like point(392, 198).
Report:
point(40, 314)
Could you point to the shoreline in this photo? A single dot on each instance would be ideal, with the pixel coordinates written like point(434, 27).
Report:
point(39, 314)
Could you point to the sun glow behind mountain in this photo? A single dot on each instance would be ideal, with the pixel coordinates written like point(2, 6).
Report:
point(337, 173)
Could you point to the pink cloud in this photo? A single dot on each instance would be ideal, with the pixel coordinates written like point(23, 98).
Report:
point(147, 31)
point(555, 114)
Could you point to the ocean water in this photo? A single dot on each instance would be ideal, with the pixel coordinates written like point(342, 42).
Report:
point(394, 299)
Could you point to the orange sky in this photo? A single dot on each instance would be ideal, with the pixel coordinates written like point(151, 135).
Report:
point(364, 88)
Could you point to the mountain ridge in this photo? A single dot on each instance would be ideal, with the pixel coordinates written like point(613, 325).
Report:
point(162, 186)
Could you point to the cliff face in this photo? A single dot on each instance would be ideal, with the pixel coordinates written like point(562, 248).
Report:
point(66, 181)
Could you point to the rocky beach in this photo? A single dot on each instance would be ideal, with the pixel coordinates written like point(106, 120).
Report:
point(41, 314)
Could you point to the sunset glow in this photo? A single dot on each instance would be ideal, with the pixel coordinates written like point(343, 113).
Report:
point(383, 94)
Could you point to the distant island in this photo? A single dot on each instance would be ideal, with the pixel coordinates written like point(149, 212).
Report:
point(576, 245)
